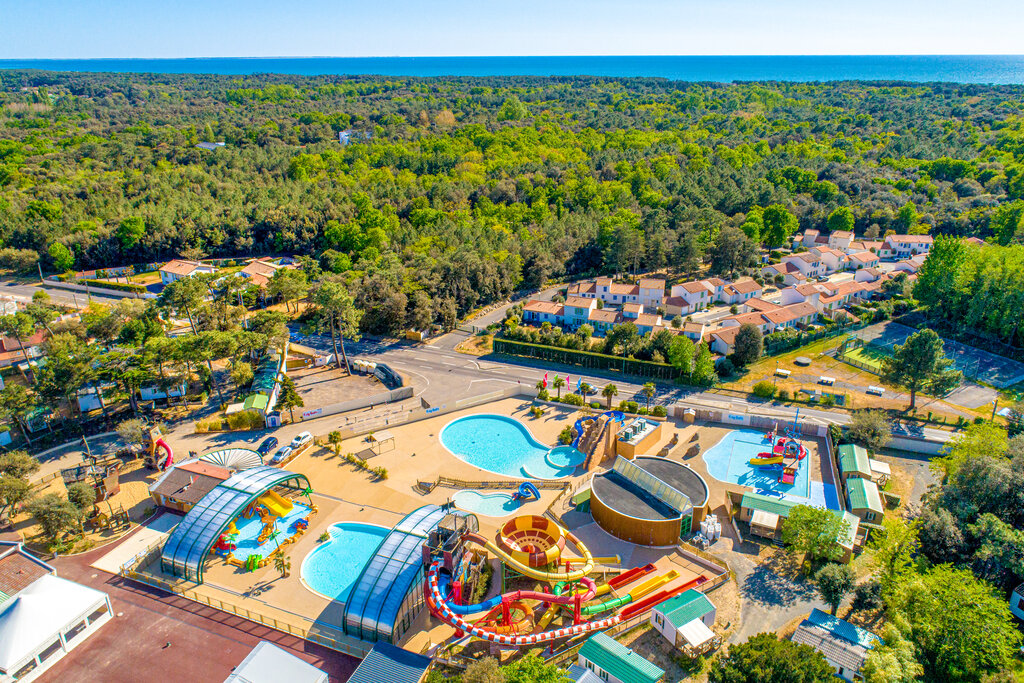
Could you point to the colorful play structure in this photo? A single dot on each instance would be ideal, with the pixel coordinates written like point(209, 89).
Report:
point(532, 546)
point(526, 493)
point(156, 441)
point(785, 455)
point(270, 508)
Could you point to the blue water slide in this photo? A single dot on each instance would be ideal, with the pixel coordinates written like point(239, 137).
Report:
point(485, 606)
point(616, 415)
point(527, 491)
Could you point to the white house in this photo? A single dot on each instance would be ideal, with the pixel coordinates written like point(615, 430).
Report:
point(810, 238)
point(740, 291)
point(808, 263)
point(896, 247)
point(912, 264)
point(862, 259)
point(700, 294)
point(833, 259)
point(869, 274)
point(577, 310)
point(538, 312)
point(179, 268)
point(791, 275)
point(840, 239)
point(652, 292)
point(685, 621)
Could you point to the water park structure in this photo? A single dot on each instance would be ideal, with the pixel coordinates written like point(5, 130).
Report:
point(532, 546)
point(785, 455)
point(246, 512)
point(647, 500)
point(156, 441)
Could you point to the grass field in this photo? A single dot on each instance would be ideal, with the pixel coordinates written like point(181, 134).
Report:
point(871, 356)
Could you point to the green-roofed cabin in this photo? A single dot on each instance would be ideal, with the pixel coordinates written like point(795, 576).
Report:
point(686, 622)
point(766, 516)
point(864, 500)
point(854, 461)
point(616, 663)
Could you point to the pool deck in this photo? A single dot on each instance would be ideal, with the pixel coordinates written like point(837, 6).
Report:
point(344, 493)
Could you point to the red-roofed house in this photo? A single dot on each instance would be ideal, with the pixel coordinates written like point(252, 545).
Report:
point(840, 239)
point(808, 263)
point(904, 246)
point(537, 312)
point(179, 268)
point(862, 259)
point(740, 291)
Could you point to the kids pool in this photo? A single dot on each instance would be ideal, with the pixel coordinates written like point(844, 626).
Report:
point(504, 445)
point(249, 529)
point(333, 567)
point(487, 504)
point(728, 459)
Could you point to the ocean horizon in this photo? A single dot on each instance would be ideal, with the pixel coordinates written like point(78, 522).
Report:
point(975, 69)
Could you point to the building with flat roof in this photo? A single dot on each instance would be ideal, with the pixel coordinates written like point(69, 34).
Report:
point(267, 663)
point(389, 664)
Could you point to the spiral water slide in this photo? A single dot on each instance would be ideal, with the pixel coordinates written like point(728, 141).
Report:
point(529, 542)
point(443, 609)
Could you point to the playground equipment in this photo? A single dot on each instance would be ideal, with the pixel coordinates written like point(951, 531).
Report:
point(224, 546)
point(763, 459)
point(532, 546)
point(526, 493)
point(156, 441)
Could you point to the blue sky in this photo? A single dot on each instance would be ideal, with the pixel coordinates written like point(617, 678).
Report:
point(262, 28)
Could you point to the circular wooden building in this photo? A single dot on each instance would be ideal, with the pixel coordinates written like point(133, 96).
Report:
point(649, 500)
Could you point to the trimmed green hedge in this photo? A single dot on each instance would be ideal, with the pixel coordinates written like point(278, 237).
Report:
point(587, 359)
point(119, 286)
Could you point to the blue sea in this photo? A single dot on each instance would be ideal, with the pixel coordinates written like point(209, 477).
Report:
point(1000, 69)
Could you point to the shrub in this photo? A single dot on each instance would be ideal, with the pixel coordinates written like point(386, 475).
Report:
point(572, 400)
point(764, 389)
point(536, 411)
point(642, 410)
point(783, 394)
point(543, 395)
point(246, 420)
point(381, 472)
point(324, 537)
point(659, 411)
point(979, 420)
point(565, 437)
point(595, 405)
point(836, 432)
point(119, 286)
point(828, 400)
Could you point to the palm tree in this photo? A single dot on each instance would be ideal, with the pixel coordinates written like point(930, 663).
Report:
point(540, 385)
point(558, 383)
point(585, 389)
point(283, 564)
point(608, 392)
point(647, 391)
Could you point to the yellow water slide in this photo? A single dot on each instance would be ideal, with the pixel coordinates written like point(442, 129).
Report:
point(539, 574)
point(278, 506)
point(652, 585)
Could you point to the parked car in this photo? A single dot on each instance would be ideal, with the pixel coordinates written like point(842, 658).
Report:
point(269, 444)
point(301, 440)
point(282, 453)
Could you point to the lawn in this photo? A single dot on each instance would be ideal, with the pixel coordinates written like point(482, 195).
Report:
point(871, 356)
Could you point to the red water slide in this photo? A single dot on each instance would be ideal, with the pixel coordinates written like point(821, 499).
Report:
point(658, 598)
point(631, 575)
point(160, 443)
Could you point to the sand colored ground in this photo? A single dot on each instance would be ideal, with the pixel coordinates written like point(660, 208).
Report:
point(345, 493)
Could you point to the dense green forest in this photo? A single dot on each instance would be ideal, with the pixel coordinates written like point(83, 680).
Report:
point(454, 192)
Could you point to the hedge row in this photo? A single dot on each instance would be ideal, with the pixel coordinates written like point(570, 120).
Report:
point(119, 286)
point(587, 359)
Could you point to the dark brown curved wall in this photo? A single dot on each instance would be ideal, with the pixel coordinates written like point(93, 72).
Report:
point(642, 532)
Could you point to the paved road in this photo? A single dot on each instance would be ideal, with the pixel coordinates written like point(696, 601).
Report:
point(23, 292)
point(441, 375)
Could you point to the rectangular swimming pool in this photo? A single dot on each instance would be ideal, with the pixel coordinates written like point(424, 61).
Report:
point(728, 461)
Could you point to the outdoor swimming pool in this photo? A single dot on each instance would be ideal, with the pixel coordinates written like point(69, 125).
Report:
point(487, 504)
point(727, 461)
point(249, 530)
point(333, 567)
point(503, 445)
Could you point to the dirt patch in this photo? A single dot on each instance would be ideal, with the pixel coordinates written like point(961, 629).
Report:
point(477, 346)
point(328, 385)
point(652, 646)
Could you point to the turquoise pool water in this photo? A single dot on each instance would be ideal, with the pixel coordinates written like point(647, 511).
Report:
point(487, 504)
point(504, 445)
point(333, 567)
point(727, 461)
point(249, 530)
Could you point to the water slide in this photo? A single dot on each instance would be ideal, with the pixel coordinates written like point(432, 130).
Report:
point(640, 591)
point(766, 459)
point(631, 575)
point(533, 573)
point(639, 607)
point(169, 460)
point(527, 491)
point(278, 506)
point(615, 415)
point(440, 607)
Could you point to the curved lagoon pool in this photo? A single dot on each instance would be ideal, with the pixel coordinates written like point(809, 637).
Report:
point(333, 567)
point(486, 504)
point(503, 445)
